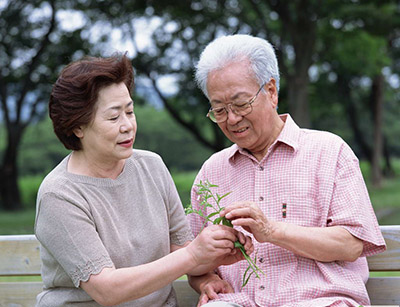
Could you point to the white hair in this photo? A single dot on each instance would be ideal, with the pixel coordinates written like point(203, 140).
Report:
point(227, 49)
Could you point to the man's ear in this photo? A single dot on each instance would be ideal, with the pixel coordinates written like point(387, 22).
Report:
point(78, 132)
point(272, 92)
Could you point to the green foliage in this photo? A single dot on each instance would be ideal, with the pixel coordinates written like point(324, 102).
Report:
point(183, 182)
point(29, 186)
point(40, 150)
point(159, 133)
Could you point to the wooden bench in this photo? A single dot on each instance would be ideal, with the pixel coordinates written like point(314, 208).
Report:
point(19, 256)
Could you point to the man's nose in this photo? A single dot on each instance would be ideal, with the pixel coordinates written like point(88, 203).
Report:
point(233, 118)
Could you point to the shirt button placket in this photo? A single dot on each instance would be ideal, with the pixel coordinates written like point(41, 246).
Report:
point(260, 168)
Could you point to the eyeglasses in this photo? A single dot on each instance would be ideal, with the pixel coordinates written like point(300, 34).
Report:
point(241, 108)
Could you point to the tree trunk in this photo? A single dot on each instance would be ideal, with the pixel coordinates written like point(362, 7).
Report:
point(9, 190)
point(377, 108)
point(388, 170)
point(352, 116)
point(298, 100)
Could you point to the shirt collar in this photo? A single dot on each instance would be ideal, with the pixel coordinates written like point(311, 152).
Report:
point(289, 135)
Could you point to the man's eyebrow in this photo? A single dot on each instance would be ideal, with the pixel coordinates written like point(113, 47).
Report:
point(234, 97)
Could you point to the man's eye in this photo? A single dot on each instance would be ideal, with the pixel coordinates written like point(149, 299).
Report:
point(241, 104)
point(218, 110)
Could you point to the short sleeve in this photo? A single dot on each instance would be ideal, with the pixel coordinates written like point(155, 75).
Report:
point(351, 207)
point(65, 229)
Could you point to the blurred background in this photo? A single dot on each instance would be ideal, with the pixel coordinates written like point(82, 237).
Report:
point(339, 64)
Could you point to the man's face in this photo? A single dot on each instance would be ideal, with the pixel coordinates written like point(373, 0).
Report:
point(234, 83)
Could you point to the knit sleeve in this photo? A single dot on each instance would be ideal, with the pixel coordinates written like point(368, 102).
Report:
point(67, 232)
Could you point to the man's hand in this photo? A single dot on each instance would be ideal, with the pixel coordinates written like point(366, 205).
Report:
point(249, 216)
point(209, 286)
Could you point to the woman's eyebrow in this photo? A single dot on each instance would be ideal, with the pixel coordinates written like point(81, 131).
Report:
point(119, 107)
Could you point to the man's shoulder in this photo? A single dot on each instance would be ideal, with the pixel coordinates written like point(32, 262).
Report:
point(221, 157)
point(325, 142)
point(321, 138)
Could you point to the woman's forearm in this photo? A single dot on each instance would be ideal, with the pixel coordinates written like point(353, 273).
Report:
point(114, 286)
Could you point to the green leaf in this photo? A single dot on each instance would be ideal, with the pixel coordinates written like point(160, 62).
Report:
point(217, 220)
point(212, 214)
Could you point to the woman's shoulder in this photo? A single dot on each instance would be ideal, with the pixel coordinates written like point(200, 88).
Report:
point(56, 178)
point(147, 157)
point(143, 154)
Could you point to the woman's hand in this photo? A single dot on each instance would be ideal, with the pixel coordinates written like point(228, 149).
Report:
point(214, 242)
point(237, 255)
point(216, 245)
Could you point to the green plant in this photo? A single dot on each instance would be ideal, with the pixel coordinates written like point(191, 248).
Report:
point(205, 193)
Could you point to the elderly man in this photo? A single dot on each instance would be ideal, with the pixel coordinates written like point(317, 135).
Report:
point(298, 192)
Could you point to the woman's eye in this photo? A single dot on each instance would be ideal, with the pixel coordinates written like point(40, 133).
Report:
point(114, 118)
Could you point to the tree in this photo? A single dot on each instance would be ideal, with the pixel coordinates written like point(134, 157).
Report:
point(32, 48)
point(358, 51)
point(293, 27)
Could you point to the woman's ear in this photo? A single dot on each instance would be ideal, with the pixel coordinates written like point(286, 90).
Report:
point(78, 132)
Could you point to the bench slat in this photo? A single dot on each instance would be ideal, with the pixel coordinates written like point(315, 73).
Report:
point(24, 293)
point(187, 297)
point(384, 290)
point(19, 255)
point(21, 294)
point(389, 260)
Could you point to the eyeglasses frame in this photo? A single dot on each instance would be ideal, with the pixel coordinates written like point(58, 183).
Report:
point(250, 103)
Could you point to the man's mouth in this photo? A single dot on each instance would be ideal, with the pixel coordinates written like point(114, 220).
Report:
point(241, 130)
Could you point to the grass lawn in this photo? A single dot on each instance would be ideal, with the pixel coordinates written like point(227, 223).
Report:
point(386, 201)
point(20, 222)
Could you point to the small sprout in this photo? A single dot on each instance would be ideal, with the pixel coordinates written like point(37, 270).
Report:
point(204, 195)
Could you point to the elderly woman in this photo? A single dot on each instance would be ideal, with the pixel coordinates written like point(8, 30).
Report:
point(111, 226)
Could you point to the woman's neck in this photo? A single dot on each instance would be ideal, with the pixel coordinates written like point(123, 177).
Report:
point(79, 163)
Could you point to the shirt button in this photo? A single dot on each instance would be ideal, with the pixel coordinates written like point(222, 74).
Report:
point(261, 260)
point(261, 168)
point(261, 198)
point(262, 287)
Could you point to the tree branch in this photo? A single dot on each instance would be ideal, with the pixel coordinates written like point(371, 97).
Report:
point(178, 118)
point(36, 60)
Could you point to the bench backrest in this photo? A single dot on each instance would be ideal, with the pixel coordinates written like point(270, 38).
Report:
point(19, 256)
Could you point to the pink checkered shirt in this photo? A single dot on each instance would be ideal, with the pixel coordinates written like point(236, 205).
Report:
point(317, 176)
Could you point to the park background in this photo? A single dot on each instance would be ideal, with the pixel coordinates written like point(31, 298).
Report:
point(339, 64)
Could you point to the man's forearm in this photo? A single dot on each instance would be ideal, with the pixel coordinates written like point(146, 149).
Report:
point(322, 244)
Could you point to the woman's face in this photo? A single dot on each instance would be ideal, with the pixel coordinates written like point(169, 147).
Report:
point(111, 134)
